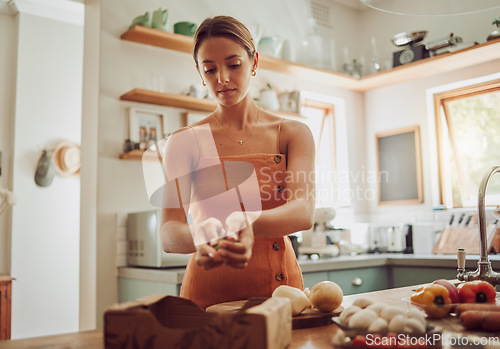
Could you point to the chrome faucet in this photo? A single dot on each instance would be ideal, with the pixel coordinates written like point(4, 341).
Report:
point(484, 270)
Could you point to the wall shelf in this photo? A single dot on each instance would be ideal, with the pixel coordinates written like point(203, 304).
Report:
point(169, 100)
point(182, 101)
point(139, 154)
point(446, 62)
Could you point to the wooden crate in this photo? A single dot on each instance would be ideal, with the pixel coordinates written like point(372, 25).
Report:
point(172, 322)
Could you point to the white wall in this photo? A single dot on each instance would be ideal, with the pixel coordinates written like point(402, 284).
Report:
point(46, 221)
point(8, 35)
point(405, 105)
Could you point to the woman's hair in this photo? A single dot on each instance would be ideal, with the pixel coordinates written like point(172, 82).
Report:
point(223, 26)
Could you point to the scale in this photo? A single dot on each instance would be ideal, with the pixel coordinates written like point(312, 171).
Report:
point(412, 52)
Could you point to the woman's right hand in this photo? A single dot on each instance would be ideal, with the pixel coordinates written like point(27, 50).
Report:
point(203, 233)
point(207, 257)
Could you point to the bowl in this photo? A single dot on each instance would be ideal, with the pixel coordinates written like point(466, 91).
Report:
point(403, 39)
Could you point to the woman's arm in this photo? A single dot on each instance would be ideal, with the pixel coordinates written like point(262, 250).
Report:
point(178, 159)
point(297, 214)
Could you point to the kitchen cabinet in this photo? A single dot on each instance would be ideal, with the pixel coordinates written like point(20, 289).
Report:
point(446, 62)
point(405, 276)
point(351, 281)
point(131, 289)
point(5, 306)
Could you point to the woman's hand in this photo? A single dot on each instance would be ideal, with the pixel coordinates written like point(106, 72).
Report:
point(203, 233)
point(207, 257)
point(236, 254)
point(210, 229)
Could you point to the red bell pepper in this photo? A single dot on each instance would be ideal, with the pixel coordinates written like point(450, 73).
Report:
point(477, 291)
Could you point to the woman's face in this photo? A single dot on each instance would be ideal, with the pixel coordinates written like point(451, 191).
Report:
point(225, 67)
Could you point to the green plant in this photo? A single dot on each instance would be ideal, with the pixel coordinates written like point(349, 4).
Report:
point(496, 22)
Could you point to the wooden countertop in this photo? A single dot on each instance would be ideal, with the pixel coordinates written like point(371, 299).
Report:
point(311, 338)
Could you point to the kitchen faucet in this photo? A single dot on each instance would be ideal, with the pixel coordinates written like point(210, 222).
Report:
point(484, 270)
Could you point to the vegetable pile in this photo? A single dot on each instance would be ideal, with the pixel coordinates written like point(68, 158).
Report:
point(474, 303)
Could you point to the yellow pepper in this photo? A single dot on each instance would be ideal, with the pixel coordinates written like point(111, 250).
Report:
point(434, 299)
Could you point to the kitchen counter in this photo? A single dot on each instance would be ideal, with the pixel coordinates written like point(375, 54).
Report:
point(312, 338)
point(175, 275)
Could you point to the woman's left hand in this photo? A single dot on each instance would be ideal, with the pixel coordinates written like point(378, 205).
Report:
point(237, 253)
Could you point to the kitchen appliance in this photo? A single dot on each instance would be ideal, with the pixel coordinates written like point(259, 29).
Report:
point(408, 237)
point(443, 45)
point(378, 239)
point(413, 52)
point(394, 239)
point(144, 245)
point(314, 240)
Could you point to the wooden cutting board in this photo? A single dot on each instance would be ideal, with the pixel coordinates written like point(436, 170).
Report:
point(308, 318)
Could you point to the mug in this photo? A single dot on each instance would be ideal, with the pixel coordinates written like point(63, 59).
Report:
point(185, 28)
point(270, 46)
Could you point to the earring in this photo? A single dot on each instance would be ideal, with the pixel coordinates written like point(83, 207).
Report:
point(203, 82)
point(254, 72)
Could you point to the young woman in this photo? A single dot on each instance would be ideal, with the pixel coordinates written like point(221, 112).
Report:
point(241, 171)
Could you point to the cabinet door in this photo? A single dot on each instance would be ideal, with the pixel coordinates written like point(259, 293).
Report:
point(360, 280)
point(311, 279)
point(407, 276)
point(132, 289)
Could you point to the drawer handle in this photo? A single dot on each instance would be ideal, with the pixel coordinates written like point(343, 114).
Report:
point(357, 281)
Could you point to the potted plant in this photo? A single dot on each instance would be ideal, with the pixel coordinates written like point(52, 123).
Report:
point(495, 34)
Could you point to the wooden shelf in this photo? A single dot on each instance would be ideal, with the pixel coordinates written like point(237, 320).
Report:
point(139, 155)
point(183, 102)
point(446, 62)
point(477, 54)
point(169, 100)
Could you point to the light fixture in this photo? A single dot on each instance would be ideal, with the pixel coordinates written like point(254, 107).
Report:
point(432, 7)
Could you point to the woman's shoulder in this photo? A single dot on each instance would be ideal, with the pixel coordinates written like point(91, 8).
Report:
point(295, 128)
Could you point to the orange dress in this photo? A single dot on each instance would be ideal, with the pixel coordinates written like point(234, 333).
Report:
point(273, 262)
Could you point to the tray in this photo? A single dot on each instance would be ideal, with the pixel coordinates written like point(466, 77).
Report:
point(430, 329)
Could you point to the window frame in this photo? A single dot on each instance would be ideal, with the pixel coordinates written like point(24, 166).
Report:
point(440, 100)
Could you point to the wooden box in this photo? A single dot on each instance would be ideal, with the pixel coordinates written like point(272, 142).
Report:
point(166, 322)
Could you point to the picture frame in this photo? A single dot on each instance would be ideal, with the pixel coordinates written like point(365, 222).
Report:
point(191, 117)
point(146, 125)
point(399, 167)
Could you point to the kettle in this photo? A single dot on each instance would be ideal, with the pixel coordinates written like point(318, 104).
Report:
point(160, 18)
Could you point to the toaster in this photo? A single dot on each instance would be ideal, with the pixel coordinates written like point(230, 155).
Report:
point(144, 245)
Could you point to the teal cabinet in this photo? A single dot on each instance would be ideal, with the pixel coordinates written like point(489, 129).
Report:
point(360, 280)
point(132, 289)
point(356, 280)
point(407, 276)
point(311, 279)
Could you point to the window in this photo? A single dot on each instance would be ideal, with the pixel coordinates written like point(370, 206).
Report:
point(325, 116)
point(468, 139)
point(320, 119)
